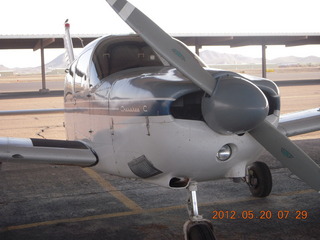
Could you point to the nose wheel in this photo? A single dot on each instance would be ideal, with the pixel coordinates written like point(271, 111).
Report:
point(259, 179)
point(196, 228)
point(199, 231)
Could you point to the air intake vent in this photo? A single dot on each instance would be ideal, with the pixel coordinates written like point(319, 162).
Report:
point(143, 168)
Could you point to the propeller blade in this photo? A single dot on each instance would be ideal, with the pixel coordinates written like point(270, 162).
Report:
point(176, 54)
point(289, 154)
point(254, 105)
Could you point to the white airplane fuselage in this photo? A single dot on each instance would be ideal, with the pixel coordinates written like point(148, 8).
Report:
point(146, 122)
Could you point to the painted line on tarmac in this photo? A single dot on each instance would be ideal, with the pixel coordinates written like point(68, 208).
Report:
point(141, 211)
point(113, 190)
point(70, 220)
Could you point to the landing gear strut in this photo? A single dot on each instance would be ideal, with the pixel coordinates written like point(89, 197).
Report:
point(196, 228)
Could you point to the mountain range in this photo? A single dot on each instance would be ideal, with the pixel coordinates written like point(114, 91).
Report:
point(57, 63)
point(208, 56)
point(216, 58)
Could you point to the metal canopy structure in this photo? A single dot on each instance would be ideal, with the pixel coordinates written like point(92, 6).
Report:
point(232, 40)
point(239, 40)
point(41, 42)
point(50, 41)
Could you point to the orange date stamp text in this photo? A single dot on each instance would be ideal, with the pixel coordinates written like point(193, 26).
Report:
point(263, 214)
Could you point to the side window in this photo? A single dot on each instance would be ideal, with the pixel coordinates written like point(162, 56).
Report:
point(80, 77)
point(94, 78)
point(69, 80)
point(83, 63)
point(72, 68)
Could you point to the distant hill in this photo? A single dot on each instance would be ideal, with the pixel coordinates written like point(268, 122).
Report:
point(3, 68)
point(58, 62)
point(212, 58)
point(208, 56)
point(293, 59)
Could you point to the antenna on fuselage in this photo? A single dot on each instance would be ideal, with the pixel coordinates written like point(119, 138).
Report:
point(68, 45)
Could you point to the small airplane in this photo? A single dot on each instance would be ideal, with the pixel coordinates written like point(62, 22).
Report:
point(144, 106)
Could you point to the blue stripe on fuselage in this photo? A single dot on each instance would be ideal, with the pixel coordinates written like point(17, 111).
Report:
point(148, 107)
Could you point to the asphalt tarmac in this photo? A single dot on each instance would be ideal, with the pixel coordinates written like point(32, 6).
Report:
point(41, 202)
point(60, 202)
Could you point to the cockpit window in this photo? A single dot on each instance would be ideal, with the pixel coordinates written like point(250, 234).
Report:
point(121, 53)
point(131, 55)
point(118, 53)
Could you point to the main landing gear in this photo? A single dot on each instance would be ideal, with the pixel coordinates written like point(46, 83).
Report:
point(259, 179)
point(196, 228)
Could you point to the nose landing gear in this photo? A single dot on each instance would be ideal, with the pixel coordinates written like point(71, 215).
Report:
point(259, 179)
point(196, 228)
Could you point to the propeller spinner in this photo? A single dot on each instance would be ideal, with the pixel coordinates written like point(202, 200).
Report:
point(235, 106)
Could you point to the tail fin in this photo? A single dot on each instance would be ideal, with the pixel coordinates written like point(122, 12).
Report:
point(68, 43)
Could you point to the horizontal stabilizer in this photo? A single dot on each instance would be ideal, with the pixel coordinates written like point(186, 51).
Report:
point(58, 152)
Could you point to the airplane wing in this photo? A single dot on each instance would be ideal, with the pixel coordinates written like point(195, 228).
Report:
point(58, 152)
point(297, 123)
point(32, 111)
point(32, 150)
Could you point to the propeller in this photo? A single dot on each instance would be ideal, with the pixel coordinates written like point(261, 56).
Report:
point(231, 104)
point(288, 153)
point(224, 102)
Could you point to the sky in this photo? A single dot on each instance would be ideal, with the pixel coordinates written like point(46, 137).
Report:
point(174, 16)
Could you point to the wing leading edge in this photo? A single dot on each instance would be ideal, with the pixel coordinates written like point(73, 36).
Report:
point(32, 111)
point(297, 123)
point(58, 152)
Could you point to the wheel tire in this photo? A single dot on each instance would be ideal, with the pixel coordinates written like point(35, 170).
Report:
point(260, 179)
point(201, 231)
